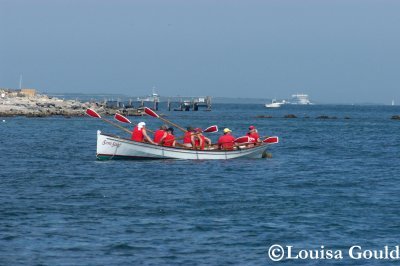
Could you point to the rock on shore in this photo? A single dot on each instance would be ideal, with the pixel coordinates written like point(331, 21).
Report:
point(41, 106)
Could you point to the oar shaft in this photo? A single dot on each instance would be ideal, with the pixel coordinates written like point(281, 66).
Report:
point(116, 125)
point(171, 123)
point(182, 137)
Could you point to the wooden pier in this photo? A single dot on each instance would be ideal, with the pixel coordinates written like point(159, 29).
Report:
point(180, 103)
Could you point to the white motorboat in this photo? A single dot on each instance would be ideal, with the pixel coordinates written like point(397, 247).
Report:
point(275, 104)
point(300, 98)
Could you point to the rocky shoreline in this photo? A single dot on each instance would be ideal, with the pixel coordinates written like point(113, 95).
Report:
point(41, 106)
point(44, 106)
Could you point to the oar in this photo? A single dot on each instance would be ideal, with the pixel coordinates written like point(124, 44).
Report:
point(124, 119)
point(268, 140)
point(211, 129)
point(93, 113)
point(150, 112)
point(242, 140)
point(271, 140)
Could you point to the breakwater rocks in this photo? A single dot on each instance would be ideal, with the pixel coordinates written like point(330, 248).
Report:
point(326, 117)
point(321, 117)
point(264, 116)
point(41, 106)
point(295, 116)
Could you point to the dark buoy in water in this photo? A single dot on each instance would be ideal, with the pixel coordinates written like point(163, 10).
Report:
point(266, 155)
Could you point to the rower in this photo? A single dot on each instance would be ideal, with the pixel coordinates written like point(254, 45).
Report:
point(169, 140)
point(139, 133)
point(188, 138)
point(226, 141)
point(160, 134)
point(201, 140)
point(254, 137)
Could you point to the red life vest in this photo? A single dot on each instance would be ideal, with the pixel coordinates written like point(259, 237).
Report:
point(158, 135)
point(226, 142)
point(253, 137)
point(197, 141)
point(204, 142)
point(137, 135)
point(169, 140)
point(187, 137)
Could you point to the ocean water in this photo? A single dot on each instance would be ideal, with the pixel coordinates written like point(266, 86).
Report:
point(331, 182)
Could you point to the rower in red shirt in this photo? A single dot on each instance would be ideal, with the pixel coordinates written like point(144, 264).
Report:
point(188, 138)
point(160, 134)
point(226, 141)
point(253, 134)
point(201, 140)
point(139, 133)
point(169, 140)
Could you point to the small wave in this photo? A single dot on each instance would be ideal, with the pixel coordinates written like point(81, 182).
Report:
point(8, 238)
point(122, 246)
point(55, 186)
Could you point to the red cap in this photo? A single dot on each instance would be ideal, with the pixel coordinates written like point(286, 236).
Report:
point(251, 127)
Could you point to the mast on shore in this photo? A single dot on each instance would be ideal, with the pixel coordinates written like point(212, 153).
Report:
point(20, 82)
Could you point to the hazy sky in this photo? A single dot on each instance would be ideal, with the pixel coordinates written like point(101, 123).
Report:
point(336, 51)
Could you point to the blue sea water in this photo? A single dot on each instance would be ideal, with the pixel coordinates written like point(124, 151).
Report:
point(331, 182)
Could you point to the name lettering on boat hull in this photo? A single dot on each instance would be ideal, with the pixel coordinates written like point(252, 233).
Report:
point(111, 143)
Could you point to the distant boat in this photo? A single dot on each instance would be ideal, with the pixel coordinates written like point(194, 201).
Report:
point(275, 104)
point(154, 97)
point(392, 102)
point(300, 99)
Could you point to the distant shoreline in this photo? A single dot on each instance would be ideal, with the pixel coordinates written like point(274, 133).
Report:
point(44, 105)
point(218, 100)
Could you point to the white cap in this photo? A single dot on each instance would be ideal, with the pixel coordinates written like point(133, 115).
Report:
point(141, 124)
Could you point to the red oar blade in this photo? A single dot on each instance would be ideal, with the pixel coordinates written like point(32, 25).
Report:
point(122, 118)
point(150, 112)
point(211, 129)
point(244, 139)
point(271, 140)
point(92, 113)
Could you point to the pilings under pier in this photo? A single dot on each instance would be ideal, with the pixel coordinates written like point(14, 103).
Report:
point(117, 104)
point(173, 104)
point(188, 103)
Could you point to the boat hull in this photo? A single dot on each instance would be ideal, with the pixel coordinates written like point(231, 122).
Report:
point(113, 147)
point(273, 105)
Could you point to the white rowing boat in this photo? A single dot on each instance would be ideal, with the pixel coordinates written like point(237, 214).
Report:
point(113, 147)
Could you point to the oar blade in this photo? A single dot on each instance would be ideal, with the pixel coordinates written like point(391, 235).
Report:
point(271, 140)
point(122, 118)
point(150, 112)
point(92, 113)
point(243, 140)
point(211, 129)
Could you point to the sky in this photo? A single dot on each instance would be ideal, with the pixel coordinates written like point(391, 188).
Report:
point(335, 51)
